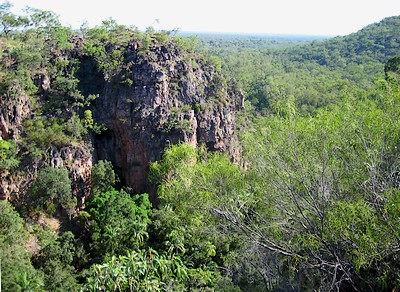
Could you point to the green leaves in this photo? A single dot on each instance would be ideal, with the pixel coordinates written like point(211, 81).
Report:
point(118, 222)
point(10, 21)
point(103, 177)
point(330, 177)
point(194, 188)
point(52, 190)
point(41, 133)
point(56, 258)
point(145, 270)
point(17, 272)
point(64, 93)
point(8, 155)
point(316, 206)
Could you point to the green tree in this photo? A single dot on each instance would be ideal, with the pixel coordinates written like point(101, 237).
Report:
point(10, 21)
point(103, 177)
point(56, 258)
point(118, 222)
point(392, 69)
point(145, 270)
point(40, 133)
point(192, 188)
point(51, 191)
point(17, 272)
point(329, 178)
point(8, 157)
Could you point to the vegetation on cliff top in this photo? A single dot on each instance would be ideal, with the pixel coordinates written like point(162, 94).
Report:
point(316, 206)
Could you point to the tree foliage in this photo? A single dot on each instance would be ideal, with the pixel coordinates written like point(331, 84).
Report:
point(330, 178)
point(56, 259)
point(51, 191)
point(118, 222)
point(193, 185)
point(313, 206)
point(103, 177)
point(138, 271)
point(17, 272)
point(309, 212)
point(8, 155)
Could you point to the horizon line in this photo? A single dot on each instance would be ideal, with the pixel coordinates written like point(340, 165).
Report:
point(264, 34)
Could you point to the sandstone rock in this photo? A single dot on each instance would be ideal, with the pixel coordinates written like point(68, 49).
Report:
point(77, 158)
point(3, 127)
point(176, 96)
point(13, 110)
point(164, 95)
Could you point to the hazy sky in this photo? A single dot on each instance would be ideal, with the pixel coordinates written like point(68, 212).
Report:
point(313, 17)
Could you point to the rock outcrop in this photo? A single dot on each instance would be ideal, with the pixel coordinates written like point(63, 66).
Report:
point(160, 94)
point(172, 96)
point(77, 158)
point(14, 108)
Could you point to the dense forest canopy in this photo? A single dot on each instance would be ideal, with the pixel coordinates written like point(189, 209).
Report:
point(314, 203)
point(314, 73)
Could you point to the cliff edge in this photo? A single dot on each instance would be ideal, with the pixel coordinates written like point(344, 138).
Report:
point(165, 95)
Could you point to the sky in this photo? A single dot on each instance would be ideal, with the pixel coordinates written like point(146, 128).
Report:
point(294, 17)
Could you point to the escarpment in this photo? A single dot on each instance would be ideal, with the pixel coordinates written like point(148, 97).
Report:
point(14, 108)
point(165, 96)
point(144, 93)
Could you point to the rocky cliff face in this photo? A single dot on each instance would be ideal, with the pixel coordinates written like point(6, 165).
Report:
point(14, 108)
point(172, 96)
point(77, 158)
point(159, 95)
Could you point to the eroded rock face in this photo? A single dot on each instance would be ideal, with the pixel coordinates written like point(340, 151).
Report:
point(15, 106)
point(161, 95)
point(172, 97)
point(77, 158)
point(13, 110)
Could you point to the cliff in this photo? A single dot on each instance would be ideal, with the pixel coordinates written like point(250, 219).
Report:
point(174, 96)
point(156, 93)
point(15, 109)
